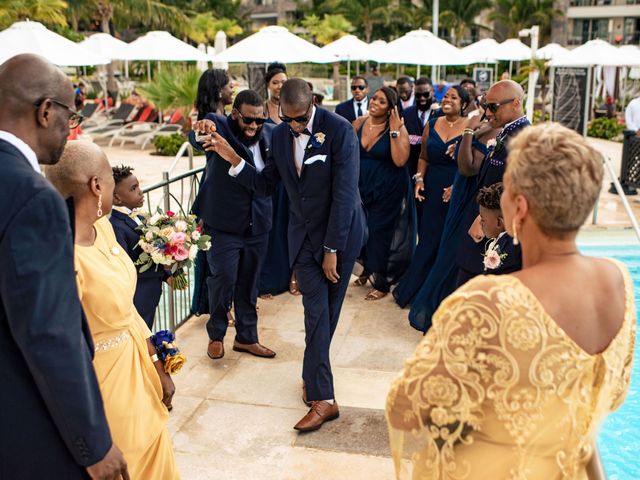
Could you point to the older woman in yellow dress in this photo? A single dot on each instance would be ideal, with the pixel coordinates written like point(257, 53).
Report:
point(519, 371)
point(135, 388)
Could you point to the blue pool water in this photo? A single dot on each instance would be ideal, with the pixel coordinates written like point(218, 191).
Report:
point(619, 440)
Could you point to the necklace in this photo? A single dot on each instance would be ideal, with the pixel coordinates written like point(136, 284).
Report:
point(451, 124)
point(372, 125)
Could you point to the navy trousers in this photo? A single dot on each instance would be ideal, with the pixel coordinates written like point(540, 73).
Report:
point(322, 301)
point(235, 262)
point(147, 297)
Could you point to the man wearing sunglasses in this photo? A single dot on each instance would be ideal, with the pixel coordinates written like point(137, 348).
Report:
point(315, 154)
point(52, 411)
point(359, 104)
point(503, 108)
point(237, 220)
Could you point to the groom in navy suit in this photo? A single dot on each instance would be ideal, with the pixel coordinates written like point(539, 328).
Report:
point(315, 154)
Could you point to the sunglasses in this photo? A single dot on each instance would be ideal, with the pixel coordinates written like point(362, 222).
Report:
point(357, 87)
point(425, 95)
point(494, 106)
point(249, 120)
point(75, 117)
point(303, 119)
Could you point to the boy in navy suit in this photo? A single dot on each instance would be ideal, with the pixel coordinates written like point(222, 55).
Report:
point(501, 255)
point(128, 196)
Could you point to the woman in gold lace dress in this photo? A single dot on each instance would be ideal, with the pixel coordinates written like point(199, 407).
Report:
point(519, 371)
point(133, 386)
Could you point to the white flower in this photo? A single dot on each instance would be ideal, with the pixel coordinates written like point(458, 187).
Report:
point(195, 235)
point(181, 226)
point(320, 137)
point(492, 260)
point(157, 257)
point(148, 236)
point(155, 218)
point(207, 246)
point(491, 142)
point(193, 251)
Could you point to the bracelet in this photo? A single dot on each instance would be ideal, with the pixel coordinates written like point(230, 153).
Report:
point(467, 131)
point(330, 250)
point(154, 358)
point(416, 176)
point(419, 180)
point(167, 351)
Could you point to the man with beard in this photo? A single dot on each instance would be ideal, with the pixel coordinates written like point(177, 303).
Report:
point(416, 118)
point(238, 222)
point(52, 416)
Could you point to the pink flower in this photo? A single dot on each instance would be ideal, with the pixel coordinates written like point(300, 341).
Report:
point(178, 237)
point(492, 260)
point(170, 213)
point(181, 253)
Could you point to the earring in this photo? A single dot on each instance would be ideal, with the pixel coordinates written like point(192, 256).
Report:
point(515, 233)
point(100, 206)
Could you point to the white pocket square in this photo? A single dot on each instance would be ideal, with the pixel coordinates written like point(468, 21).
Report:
point(315, 158)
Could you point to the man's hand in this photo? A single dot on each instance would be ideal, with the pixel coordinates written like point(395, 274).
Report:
point(419, 188)
point(446, 194)
point(205, 127)
point(475, 232)
point(330, 267)
point(112, 467)
point(219, 145)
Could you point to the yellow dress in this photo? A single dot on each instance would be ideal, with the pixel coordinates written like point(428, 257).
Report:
point(497, 390)
point(128, 380)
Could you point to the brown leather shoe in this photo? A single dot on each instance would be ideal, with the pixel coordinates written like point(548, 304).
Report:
point(304, 396)
point(215, 350)
point(320, 412)
point(254, 349)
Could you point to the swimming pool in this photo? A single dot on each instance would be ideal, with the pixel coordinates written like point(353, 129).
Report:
point(619, 440)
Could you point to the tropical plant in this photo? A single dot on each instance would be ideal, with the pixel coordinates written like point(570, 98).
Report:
point(49, 12)
point(515, 15)
point(204, 27)
point(541, 66)
point(607, 128)
point(364, 14)
point(459, 16)
point(170, 144)
point(173, 87)
point(327, 29)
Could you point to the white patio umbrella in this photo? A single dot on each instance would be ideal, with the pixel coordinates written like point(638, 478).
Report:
point(513, 50)
point(631, 54)
point(33, 37)
point(107, 46)
point(348, 48)
point(595, 52)
point(482, 51)
point(273, 44)
point(163, 46)
point(551, 51)
point(421, 47)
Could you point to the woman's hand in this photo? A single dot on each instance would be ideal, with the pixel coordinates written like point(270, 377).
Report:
point(418, 189)
point(395, 121)
point(451, 150)
point(168, 387)
point(446, 194)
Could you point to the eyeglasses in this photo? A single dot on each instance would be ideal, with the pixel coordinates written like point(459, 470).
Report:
point(75, 117)
point(357, 87)
point(423, 94)
point(249, 120)
point(303, 119)
point(494, 106)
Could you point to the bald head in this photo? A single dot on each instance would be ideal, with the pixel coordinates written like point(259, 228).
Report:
point(80, 162)
point(296, 92)
point(508, 89)
point(506, 99)
point(36, 98)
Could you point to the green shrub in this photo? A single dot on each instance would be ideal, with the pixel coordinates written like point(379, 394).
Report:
point(603, 127)
point(169, 145)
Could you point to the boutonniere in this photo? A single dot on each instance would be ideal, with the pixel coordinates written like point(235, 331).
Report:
point(493, 257)
point(491, 143)
point(316, 140)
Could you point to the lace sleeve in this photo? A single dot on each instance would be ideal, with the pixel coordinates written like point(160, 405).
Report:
point(435, 403)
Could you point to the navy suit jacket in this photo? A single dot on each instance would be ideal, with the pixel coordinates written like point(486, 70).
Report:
point(345, 110)
point(325, 203)
point(52, 414)
point(513, 260)
point(223, 203)
point(415, 128)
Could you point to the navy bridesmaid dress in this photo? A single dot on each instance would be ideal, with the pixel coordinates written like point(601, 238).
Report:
point(384, 189)
point(441, 280)
point(440, 174)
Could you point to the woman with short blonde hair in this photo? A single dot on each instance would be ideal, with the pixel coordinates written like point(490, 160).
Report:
point(519, 371)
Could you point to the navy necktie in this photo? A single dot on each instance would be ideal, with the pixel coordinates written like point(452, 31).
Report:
point(423, 116)
point(359, 104)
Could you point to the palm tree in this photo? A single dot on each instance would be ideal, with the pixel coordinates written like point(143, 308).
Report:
point(516, 15)
point(173, 87)
point(204, 27)
point(459, 16)
point(365, 14)
point(49, 12)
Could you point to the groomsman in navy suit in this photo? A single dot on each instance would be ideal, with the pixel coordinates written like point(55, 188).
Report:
point(52, 416)
point(315, 154)
point(358, 105)
point(128, 196)
point(416, 118)
point(238, 221)
point(404, 87)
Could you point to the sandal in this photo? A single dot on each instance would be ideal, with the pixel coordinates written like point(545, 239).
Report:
point(375, 295)
point(293, 287)
point(362, 280)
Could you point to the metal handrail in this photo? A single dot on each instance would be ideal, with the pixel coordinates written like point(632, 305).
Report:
point(186, 146)
point(625, 202)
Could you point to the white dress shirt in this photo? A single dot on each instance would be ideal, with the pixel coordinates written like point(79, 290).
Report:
point(364, 106)
point(22, 147)
point(632, 115)
point(409, 102)
point(257, 156)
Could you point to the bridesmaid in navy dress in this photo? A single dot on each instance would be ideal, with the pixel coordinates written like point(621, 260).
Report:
point(384, 182)
point(436, 172)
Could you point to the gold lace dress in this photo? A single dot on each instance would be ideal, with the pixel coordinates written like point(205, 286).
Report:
point(497, 390)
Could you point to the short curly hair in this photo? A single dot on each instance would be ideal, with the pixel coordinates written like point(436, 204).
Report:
point(489, 197)
point(121, 172)
point(558, 172)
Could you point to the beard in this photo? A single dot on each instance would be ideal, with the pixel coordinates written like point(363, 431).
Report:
point(239, 134)
point(426, 106)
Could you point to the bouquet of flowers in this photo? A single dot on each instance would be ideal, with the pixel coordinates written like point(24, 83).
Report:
point(171, 242)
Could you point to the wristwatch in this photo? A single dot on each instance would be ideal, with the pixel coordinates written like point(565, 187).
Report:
point(394, 133)
point(329, 250)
